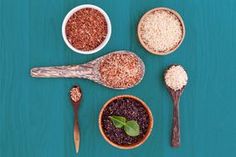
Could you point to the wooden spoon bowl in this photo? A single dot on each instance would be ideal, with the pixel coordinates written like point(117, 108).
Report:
point(145, 45)
point(88, 70)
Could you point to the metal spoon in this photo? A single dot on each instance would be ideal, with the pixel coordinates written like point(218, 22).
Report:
point(88, 70)
point(175, 94)
point(75, 97)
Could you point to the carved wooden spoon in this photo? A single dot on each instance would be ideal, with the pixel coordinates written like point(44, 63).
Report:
point(92, 70)
point(75, 97)
point(175, 79)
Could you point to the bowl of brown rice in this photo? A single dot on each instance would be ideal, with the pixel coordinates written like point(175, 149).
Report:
point(161, 31)
point(86, 29)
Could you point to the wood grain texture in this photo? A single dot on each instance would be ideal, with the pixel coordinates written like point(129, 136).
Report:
point(35, 114)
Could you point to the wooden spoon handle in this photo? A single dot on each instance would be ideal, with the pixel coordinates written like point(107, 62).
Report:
point(70, 71)
point(175, 141)
point(76, 134)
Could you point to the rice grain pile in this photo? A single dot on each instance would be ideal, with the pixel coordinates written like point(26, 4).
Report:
point(161, 31)
point(75, 94)
point(176, 77)
point(86, 29)
point(121, 70)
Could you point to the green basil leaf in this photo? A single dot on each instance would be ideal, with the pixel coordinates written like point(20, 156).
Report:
point(118, 121)
point(132, 128)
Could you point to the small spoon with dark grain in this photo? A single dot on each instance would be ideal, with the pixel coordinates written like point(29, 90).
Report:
point(175, 79)
point(75, 97)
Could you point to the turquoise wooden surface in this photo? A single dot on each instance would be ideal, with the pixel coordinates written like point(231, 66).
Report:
point(36, 118)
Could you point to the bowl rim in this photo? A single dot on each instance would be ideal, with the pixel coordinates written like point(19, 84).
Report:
point(145, 45)
point(134, 145)
point(75, 9)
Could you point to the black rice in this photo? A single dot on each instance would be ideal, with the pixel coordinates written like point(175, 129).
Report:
point(131, 109)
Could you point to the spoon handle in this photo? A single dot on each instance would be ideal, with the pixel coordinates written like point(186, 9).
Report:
point(175, 141)
point(70, 71)
point(76, 134)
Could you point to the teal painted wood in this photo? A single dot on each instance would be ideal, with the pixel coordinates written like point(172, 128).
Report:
point(36, 118)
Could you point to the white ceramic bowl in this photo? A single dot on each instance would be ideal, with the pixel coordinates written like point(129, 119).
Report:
point(71, 12)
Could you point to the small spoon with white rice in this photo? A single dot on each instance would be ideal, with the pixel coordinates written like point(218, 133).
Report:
point(176, 79)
